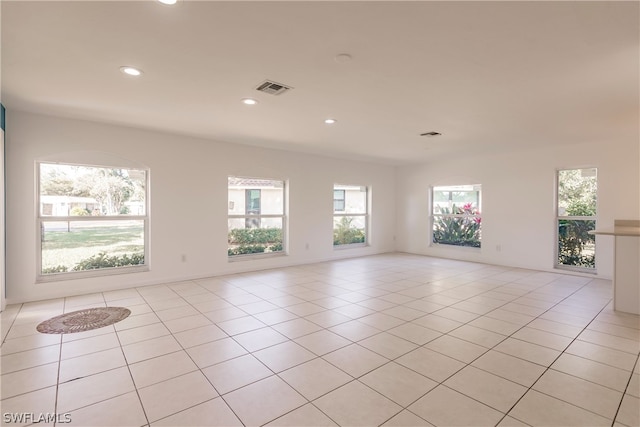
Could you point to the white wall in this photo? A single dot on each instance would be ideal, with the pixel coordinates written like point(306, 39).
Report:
point(182, 170)
point(518, 201)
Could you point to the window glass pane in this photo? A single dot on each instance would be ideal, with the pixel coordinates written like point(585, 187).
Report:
point(68, 190)
point(349, 229)
point(252, 203)
point(576, 247)
point(272, 201)
point(457, 231)
point(577, 192)
point(255, 201)
point(89, 245)
point(577, 196)
point(338, 200)
point(355, 198)
point(457, 199)
point(265, 237)
point(252, 196)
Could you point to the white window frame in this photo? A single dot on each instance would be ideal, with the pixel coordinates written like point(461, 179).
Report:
point(558, 217)
point(433, 216)
point(364, 215)
point(260, 217)
point(107, 271)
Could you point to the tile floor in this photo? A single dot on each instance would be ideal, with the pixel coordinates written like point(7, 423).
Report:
point(383, 340)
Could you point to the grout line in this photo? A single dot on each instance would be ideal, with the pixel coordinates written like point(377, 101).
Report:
point(548, 368)
point(124, 356)
point(625, 391)
point(13, 321)
point(199, 369)
point(55, 406)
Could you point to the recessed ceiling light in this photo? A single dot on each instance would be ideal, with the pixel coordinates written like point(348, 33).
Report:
point(330, 121)
point(168, 1)
point(249, 101)
point(131, 71)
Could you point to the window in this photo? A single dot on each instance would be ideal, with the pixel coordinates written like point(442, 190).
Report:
point(256, 216)
point(576, 216)
point(455, 215)
point(91, 219)
point(350, 215)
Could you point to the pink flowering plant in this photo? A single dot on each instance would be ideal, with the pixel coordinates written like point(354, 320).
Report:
point(459, 226)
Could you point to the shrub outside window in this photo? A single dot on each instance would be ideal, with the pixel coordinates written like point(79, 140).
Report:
point(91, 220)
point(256, 216)
point(350, 215)
point(456, 215)
point(576, 216)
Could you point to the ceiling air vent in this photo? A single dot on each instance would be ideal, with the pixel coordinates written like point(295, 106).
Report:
point(273, 88)
point(431, 134)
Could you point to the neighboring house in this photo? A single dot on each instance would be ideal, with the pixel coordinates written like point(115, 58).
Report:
point(252, 196)
point(349, 199)
point(135, 208)
point(63, 205)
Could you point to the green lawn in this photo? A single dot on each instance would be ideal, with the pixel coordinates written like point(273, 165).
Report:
point(68, 248)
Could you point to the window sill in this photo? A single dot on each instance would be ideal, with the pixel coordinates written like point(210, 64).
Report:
point(98, 272)
point(350, 246)
point(248, 257)
point(576, 269)
point(455, 247)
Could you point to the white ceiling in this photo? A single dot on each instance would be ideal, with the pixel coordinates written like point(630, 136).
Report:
point(487, 75)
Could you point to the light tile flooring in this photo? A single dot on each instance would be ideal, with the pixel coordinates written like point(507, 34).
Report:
point(383, 340)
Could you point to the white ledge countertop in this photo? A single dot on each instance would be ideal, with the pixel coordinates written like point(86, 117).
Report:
point(621, 227)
